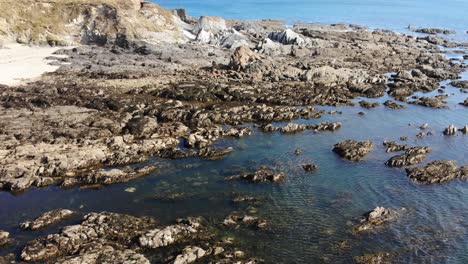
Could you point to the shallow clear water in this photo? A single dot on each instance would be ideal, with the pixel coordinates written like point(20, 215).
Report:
point(388, 14)
point(311, 214)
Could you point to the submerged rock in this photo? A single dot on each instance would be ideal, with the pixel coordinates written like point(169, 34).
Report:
point(379, 258)
point(376, 218)
point(465, 103)
point(190, 254)
point(437, 172)
point(353, 150)
point(47, 218)
point(412, 156)
point(262, 175)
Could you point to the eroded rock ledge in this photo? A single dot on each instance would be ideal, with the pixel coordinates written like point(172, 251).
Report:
point(353, 150)
point(438, 171)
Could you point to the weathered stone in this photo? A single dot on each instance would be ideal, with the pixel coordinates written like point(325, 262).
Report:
point(47, 218)
point(437, 172)
point(353, 150)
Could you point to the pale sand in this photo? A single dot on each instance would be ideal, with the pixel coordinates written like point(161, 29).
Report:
point(19, 63)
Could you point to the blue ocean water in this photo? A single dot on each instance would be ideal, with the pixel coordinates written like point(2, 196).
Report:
point(389, 14)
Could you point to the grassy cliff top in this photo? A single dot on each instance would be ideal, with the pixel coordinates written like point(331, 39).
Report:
point(38, 21)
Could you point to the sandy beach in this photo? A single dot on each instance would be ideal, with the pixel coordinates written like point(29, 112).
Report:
point(19, 63)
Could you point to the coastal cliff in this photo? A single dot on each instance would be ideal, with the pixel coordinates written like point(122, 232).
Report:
point(68, 22)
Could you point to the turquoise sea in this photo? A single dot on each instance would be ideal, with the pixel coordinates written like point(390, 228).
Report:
point(389, 14)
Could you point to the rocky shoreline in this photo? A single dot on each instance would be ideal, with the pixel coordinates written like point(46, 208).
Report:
point(121, 99)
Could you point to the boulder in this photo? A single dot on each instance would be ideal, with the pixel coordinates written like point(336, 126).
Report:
point(242, 57)
point(289, 37)
point(450, 131)
point(353, 150)
point(437, 172)
point(210, 24)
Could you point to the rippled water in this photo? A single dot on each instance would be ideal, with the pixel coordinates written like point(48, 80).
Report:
point(311, 214)
point(388, 14)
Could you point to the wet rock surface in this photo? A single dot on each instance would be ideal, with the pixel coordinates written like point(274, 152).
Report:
point(263, 175)
point(353, 150)
point(47, 218)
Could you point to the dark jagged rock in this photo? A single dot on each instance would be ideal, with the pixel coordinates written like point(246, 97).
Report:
point(437, 172)
point(262, 175)
point(238, 218)
point(450, 131)
point(309, 167)
point(379, 258)
point(412, 156)
point(47, 218)
point(184, 229)
point(353, 150)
